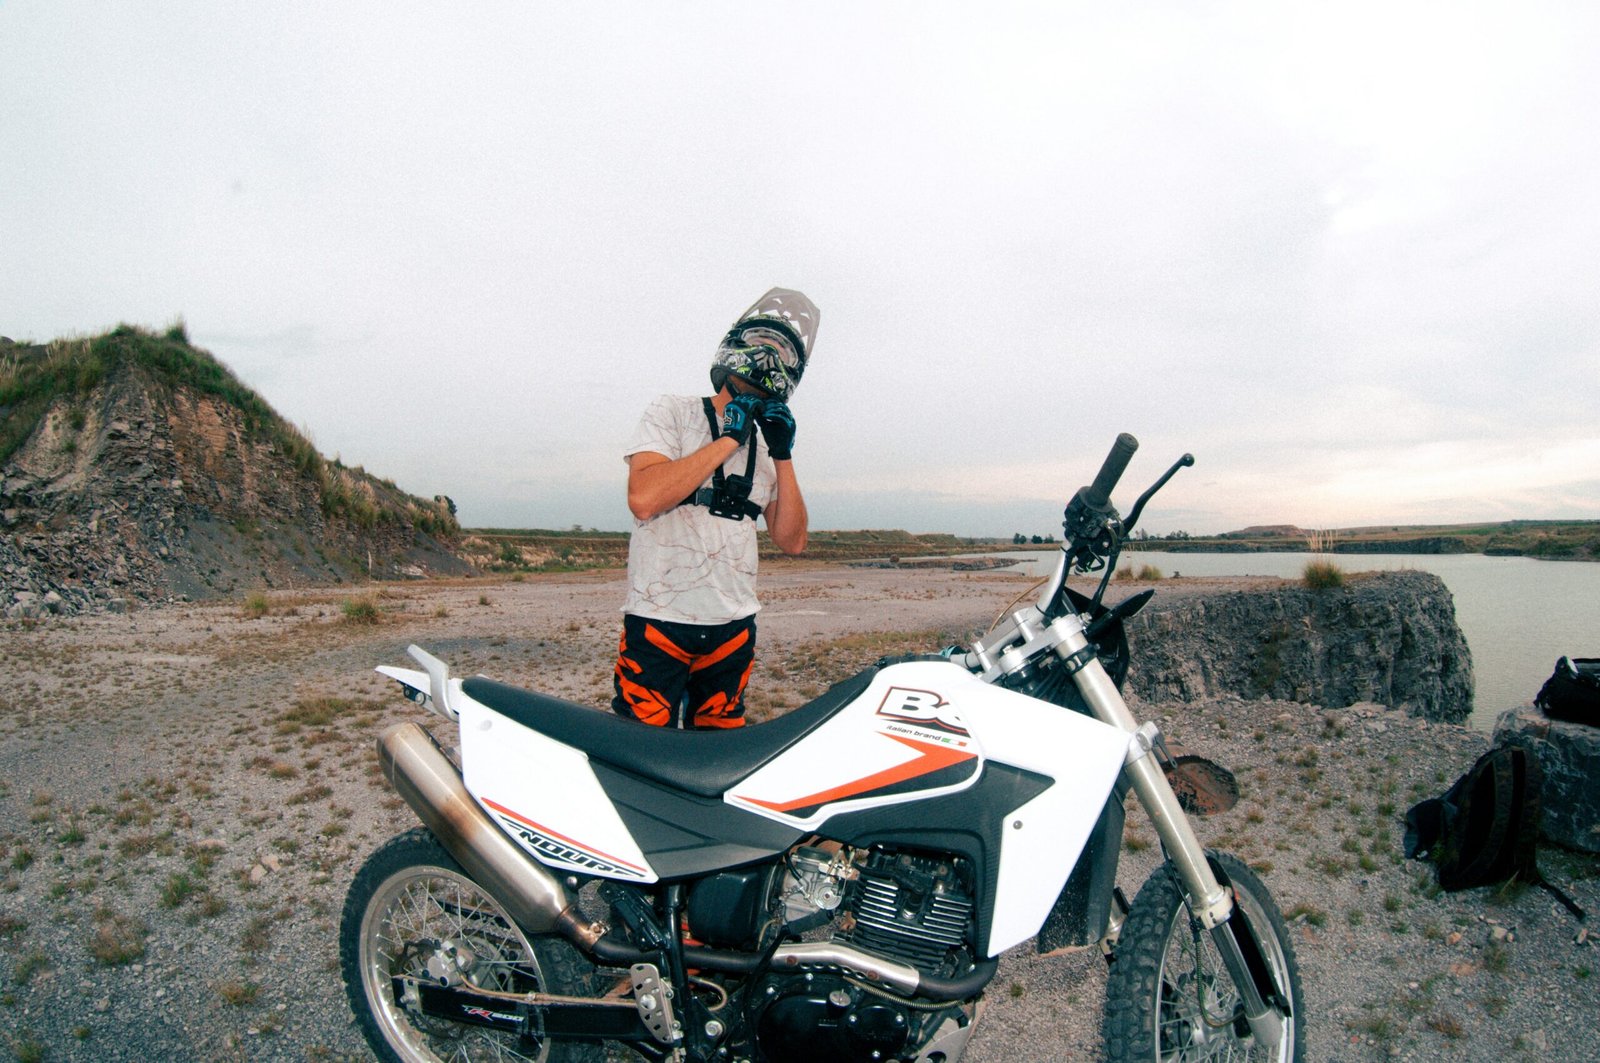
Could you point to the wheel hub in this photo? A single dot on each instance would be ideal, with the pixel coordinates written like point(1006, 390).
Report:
point(448, 962)
point(1190, 1002)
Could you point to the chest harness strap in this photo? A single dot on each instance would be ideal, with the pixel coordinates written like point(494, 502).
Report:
point(728, 496)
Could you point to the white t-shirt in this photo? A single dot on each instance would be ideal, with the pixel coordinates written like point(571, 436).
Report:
point(684, 564)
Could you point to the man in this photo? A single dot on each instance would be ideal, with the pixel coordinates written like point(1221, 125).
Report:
point(700, 472)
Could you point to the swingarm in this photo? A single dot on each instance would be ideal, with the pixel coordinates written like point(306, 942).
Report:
point(533, 1017)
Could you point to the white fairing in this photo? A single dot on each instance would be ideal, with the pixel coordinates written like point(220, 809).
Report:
point(904, 728)
point(920, 730)
point(934, 721)
point(1043, 838)
point(546, 796)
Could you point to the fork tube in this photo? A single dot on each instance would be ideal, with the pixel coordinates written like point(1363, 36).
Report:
point(1211, 902)
point(1052, 589)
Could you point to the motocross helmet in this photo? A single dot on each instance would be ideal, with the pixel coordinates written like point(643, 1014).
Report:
point(769, 345)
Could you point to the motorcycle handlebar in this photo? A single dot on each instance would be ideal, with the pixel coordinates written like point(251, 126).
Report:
point(1099, 494)
point(1087, 518)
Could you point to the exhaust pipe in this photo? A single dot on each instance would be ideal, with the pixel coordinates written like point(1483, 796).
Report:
point(420, 772)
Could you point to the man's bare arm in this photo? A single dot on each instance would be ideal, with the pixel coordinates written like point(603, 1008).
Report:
point(656, 482)
point(787, 520)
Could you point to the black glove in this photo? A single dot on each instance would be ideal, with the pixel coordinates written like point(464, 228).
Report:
point(777, 428)
point(739, 418)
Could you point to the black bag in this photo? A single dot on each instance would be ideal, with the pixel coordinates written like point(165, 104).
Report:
point(1572, 692)
point(1484, 829)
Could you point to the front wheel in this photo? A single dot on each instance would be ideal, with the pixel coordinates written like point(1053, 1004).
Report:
point(413, 911)
point(1170, 999)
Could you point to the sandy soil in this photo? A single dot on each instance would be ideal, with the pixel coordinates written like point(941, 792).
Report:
point(186, 792)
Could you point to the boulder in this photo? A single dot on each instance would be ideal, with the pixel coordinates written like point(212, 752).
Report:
point(1569, 754)
point(1389, 638)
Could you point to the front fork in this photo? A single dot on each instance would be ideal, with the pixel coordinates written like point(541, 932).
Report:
point(1209, 900)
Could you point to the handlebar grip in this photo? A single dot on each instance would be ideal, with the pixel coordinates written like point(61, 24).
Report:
point(1111, 471)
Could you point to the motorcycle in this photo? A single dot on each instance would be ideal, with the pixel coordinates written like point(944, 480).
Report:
point(833, 884)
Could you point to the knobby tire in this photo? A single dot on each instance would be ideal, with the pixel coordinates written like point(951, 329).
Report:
point(1158, 1002)
point(407, 904)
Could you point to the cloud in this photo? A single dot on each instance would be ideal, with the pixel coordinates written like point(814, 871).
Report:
point(1340, 254)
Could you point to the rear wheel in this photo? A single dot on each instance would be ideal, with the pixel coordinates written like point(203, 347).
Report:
point(412, 911)
point(1169, 998)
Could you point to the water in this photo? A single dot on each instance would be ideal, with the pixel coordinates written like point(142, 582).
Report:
point(1517, 614)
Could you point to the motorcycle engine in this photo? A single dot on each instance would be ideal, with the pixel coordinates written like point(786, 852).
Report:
point(812, 1017)
point(914, 908)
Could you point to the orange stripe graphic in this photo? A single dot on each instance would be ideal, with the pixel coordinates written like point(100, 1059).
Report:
point(649, 706)
point(657, 638)
point(933, 758)
point(721, 651)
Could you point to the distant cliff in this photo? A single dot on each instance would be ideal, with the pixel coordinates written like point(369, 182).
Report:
point(134, 466)
point(1386, 637)
point(1554, 540)
point(1428, 544)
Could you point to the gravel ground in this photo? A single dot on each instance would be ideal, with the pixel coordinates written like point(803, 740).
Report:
point(186, 791)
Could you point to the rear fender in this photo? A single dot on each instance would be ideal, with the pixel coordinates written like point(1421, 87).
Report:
point(431, 688)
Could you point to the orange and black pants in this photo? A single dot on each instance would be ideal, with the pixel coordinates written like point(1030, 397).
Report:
point(683, 675)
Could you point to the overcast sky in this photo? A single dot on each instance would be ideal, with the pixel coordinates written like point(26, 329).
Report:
point(1347, 254)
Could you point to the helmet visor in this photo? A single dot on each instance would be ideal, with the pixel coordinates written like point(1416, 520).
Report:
point(775, 341)
point(762, 356)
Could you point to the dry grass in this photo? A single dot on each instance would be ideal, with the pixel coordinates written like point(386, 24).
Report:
point(1322, 575)
point(361, 611)
point(117, 939)
point(239, 994)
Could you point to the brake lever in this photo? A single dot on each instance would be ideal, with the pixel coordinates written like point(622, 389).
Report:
point(1138, 507)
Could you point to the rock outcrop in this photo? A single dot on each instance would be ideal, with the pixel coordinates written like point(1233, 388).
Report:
point(1389, 638)
point(1569, 755)
point(134, 467)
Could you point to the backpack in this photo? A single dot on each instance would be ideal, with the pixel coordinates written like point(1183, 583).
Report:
point(1572, 692)
point(1483, 830)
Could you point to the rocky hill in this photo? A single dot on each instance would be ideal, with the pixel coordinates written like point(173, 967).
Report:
point(134, 466)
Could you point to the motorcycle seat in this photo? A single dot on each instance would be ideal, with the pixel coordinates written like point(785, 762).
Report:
point(705, 762)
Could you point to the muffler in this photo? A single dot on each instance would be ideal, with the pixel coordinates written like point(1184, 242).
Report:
point(533, 896)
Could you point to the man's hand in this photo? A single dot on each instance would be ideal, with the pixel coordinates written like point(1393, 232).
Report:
point(777, 428)
point(739, 418)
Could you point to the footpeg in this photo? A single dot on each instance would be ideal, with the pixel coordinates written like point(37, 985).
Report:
point(653, 999)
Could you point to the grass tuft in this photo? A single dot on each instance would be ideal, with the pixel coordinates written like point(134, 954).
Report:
point(1323, 575)
point(361, 611)
point(117, 939)
point(239, 994)
point(179, 887)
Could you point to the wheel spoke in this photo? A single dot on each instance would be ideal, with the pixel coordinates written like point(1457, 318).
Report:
point(431, 917)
